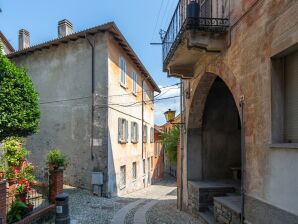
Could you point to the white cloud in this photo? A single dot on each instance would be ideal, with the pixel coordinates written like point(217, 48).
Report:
point(162, 106)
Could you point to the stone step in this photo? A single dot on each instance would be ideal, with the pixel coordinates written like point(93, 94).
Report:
point(206, 217)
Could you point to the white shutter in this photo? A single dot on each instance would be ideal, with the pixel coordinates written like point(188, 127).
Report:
point(126, 130)
point(137, 132)
point(119, 129)
point(132, 134)
point(291, 98)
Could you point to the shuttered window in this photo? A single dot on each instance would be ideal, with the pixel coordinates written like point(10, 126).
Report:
point(134, 84)
point(134, 132)
point(122, 177)
point(145, 130)
point(122, 130)
point(122, 71)
point(134, 170)
point(151, 135)
point(291, 98)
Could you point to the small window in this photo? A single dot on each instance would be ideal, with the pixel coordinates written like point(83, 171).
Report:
point(122, 72)
point(151, 135)
point(144, 167)
point(145, 133)
point(151, 162)
point(134, 132)
point(122, 130)
point(134, 170)
point(151, 95)
point(144, 92)
point(122, 177)
point(134, 84)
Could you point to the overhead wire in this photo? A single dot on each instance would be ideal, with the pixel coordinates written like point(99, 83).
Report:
point(157, 19)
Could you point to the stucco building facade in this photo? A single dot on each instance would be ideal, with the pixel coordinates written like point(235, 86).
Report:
point(90, 88)
point(7, 48)
point(238, 61)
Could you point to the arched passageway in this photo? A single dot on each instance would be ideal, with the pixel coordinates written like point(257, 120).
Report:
point(221, 134)
point(214, 135)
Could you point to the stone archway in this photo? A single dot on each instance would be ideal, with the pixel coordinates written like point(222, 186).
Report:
point(197, 164)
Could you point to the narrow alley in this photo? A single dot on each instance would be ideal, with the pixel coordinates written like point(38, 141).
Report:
point(155, 204)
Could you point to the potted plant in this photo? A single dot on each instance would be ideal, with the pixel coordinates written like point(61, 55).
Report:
point(56, 160)
point(11, 175)
point(2, 171)
point(13, 151)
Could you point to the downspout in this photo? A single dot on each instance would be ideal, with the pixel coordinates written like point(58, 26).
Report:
point(181, 145)
point(242, 158)
point(92, 91)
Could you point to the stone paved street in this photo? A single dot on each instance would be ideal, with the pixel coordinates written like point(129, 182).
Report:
point(155, 204)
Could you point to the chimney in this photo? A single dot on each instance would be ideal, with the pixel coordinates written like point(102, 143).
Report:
point(24, 39)
point(64, 28)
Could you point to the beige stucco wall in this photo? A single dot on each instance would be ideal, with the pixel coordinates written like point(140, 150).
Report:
point(269, 28)
point(126, 154)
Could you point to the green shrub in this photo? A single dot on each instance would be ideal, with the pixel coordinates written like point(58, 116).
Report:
point(19, 109)
point(17, 211)
point(56, 159)
point(170, 141)
point(13, 150)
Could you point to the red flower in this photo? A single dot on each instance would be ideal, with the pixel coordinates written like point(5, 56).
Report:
point(30, 206)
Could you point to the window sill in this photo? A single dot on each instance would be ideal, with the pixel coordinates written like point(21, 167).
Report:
point(135, 94)
point(122, 187)
point(284, 145)
point(134, 142)
point(122, 142)
point(123, 85)
point(134, 180)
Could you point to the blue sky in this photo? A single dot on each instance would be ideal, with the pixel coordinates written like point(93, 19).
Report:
point(138, 20)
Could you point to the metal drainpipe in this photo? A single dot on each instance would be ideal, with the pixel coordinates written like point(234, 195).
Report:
point(92, 90)
point(143, 121)
point(242, 158)
point(181, 145)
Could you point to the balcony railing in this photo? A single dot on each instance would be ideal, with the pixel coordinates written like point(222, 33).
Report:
point(204, 15)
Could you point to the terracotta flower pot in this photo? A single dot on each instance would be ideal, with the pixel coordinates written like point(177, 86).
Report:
point(11, 181)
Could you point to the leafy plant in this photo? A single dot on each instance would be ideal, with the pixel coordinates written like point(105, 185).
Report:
point(19, 109)
point(56, 159)
point(10, 173)
point(14, 152)
point(170, 141)
point(17, 211)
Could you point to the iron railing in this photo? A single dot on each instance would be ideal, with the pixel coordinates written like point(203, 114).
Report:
point(205, 15)
point(36, 198)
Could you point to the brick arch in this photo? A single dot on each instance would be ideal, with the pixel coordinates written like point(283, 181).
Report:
point(202, 87)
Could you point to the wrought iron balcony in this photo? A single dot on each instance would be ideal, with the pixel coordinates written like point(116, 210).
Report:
point(202, 15)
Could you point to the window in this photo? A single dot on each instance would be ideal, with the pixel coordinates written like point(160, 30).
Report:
point(151, 95)
point(134, 132)
point(144, 167)
point(285, 98)
point(151, 135)
point(122, 130)
point(134, 84)
point(122, 72)
point(145, 133)
point(144, 92)
point(291, 98)
point(122, 177)
point(134, 170)
point(151, 162)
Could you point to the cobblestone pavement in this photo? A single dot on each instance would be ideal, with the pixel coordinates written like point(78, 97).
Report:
point(155, 204)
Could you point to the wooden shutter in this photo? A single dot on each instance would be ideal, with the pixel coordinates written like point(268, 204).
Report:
point(132, 134)
point(291, 98)
point(126, 130)
point(119, 129)
point(137, 132)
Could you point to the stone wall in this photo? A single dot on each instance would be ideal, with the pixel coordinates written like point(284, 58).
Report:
point(260, 31)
